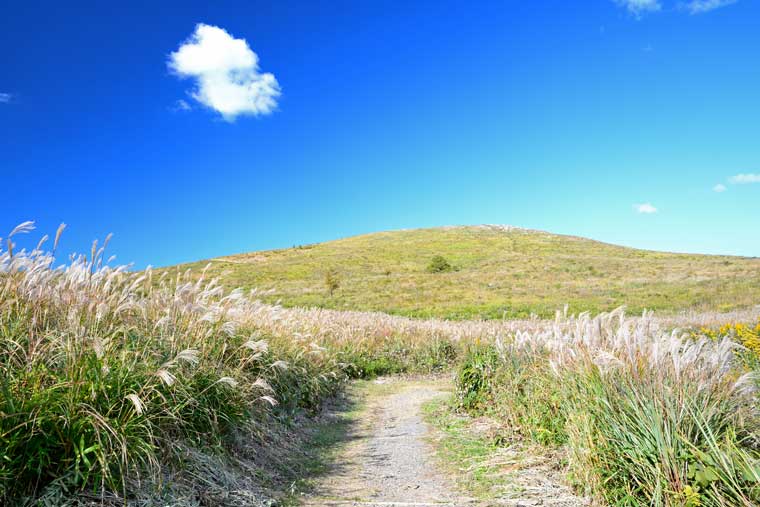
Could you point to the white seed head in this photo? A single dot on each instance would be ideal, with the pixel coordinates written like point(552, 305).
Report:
point(269, 400)
point(228, 381)
point(137, 403)
point(190, 356)
point(166, 377)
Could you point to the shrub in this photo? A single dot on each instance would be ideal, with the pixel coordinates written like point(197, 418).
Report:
point(332, 280)
point(439, 264)
point(746, 335)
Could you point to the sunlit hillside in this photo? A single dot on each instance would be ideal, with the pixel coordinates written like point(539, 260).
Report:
point(494, 271)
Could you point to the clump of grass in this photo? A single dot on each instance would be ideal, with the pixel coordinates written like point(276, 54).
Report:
point(102, 371)
point(648, 417)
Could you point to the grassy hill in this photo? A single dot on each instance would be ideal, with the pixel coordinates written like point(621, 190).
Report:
point(497, 271)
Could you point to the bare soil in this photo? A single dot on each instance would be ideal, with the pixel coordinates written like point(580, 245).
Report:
point(389, 461)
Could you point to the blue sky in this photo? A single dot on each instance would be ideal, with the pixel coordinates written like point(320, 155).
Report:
point(285, 123)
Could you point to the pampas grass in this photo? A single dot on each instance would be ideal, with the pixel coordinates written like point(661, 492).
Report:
point(105, 373)
point(649, 415)
point(103, 369)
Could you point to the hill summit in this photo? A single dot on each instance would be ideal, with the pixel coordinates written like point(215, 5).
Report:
point(490, 271)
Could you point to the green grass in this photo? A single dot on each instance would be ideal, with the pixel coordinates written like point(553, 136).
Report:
point(495, 273)
point(108, 376)
point(640, 426)
point(467, 454)
point(105, 377)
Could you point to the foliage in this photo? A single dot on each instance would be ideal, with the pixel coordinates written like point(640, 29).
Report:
point(105, 373)
point(439, 264)
point(332, 280)
point(474, 377)
point(514, 388)
point(746, 335)
point(101, 369)
point(647, 417)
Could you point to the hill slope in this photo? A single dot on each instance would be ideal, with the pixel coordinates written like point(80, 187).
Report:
point(498, 271)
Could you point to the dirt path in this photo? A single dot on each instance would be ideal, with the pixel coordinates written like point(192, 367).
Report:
point(389, 461)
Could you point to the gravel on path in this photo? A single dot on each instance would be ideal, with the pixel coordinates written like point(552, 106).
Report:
point(389, 462)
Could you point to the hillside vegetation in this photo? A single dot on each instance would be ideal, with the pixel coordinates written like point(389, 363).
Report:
point(489, 272)
point(130, 388)
point(140, 389)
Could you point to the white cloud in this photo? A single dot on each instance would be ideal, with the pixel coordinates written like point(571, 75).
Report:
point(742, 179)
point(638, 7)
point(720, 187)
point(227, 74)
point(645, 208)
point(700, 6)
point(5, 98)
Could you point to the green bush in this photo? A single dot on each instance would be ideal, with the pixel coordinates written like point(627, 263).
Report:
point(439, 264)
point(332, 281)
point(398, 354)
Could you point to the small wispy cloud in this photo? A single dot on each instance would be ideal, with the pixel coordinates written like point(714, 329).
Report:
point(720, 187)
point(743, 179)
point(226, 72)
point(700, 6)
point(180, 105)
point(639, 7)
point(645, 208)
point(5, 98)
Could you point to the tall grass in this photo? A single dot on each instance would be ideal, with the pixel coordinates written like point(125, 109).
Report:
point(107, 374)
point(104, 371)
point(648, 416)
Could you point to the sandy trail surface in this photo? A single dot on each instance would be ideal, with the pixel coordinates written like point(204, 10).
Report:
point(389, 461)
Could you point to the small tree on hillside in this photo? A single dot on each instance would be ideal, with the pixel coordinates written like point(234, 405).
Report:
point(332, 281)
point(439, 264)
